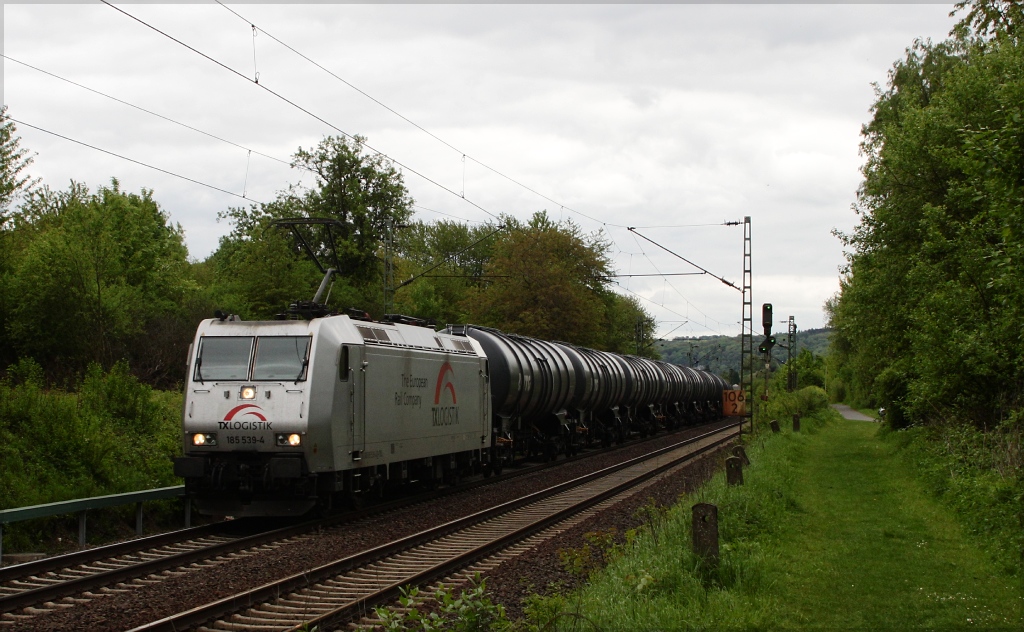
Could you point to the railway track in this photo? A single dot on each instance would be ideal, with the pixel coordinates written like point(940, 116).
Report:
point(52, 582)
point(40, 587)
point(346, 589)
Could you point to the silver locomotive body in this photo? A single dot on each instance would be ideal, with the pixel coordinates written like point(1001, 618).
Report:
point(281, 415)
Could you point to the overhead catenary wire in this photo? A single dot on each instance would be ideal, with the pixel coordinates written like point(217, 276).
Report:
point(670, 310)
point(138, 162)
point(463, 155)
point(361, 141)
point(677, 291)
point(424, 208)
point(300, 108)
point(150, 112)
point(632, 229)
point(249, 151)
point(449, 257)
point(658, 274)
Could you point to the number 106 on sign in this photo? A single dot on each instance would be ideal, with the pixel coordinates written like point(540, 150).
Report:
point(734, 403)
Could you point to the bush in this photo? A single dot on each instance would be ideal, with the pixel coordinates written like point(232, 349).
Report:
point(782, 405)
point(113, 435)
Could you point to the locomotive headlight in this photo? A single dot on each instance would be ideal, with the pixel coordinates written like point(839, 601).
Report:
point(285, 439)
point(247, 392)
point(204, 438)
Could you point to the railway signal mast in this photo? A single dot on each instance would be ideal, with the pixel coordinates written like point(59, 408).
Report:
point(766, 345)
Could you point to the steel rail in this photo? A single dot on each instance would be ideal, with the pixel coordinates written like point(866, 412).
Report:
point(486, 550)
point(76, 563)
point(85, 556)
point(273, 590)
point(128, 572)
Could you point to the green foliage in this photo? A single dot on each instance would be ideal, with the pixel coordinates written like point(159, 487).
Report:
point(97, 277)
point(548, 282)
point(927, 318)
point(653, 580)
point(538, 278)
point(828, 530)
point(471, 611)
point(721, 354)
point(260, 269)
point(113, 435)
point(363, 191)
point(14, 160)
point(783, 404)
point(451, 257)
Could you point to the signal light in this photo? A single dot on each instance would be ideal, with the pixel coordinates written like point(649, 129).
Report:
point(766, 318)
point(766, 344)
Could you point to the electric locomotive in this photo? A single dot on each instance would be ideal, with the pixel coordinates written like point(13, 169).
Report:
point(280, 415)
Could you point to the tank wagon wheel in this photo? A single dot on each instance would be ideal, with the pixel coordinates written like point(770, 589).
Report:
point(550, 451)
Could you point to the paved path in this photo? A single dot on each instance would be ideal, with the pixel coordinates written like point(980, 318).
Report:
point(851, 414)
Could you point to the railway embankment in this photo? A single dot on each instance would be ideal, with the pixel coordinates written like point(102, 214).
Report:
point(833, 528)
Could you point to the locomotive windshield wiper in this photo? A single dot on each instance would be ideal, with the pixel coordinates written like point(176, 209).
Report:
point(302, 369)
point(199, 369)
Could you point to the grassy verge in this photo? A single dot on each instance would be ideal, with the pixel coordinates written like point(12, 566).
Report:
point(977, 475)
point(831, 530)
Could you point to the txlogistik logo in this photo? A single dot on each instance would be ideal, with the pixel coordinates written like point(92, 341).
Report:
point(442, 414)
point(246, 413)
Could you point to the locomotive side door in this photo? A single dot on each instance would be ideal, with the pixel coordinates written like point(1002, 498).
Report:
point(357, 400)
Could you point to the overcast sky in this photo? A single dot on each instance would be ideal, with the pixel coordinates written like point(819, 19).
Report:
point(663, 117)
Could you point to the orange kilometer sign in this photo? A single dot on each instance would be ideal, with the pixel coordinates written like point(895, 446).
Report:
point(734, 403)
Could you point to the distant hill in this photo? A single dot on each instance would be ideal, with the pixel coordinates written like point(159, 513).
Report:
point(720, 354)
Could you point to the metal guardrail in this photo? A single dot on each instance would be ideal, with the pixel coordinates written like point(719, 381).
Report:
point(81, 506)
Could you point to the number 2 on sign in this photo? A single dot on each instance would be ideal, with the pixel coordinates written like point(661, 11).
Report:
point(734, 403)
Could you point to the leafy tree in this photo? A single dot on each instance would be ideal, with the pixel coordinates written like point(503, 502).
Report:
point(550, 280)
point(14, 160)
point(451, 257)
point(545, 281)
point(99, 277)
point(628, 328)
point(363, 191)
point(927, 319)
point(261, 269)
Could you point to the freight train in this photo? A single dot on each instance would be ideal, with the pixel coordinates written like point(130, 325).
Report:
point(282, 416)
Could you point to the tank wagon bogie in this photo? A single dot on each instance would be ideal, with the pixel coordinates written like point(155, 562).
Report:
point(281, 416)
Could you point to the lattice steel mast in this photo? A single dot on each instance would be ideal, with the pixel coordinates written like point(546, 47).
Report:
point(747, 335)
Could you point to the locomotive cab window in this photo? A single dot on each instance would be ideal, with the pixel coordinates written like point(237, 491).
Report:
point(223, 358)
point(281, 358)
point(343, 364)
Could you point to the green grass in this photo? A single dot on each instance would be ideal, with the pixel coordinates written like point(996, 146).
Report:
point(870, 412)
point(871, 549)
point(833, 530)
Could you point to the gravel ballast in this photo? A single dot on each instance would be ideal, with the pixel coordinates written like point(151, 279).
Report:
point(507, 583)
